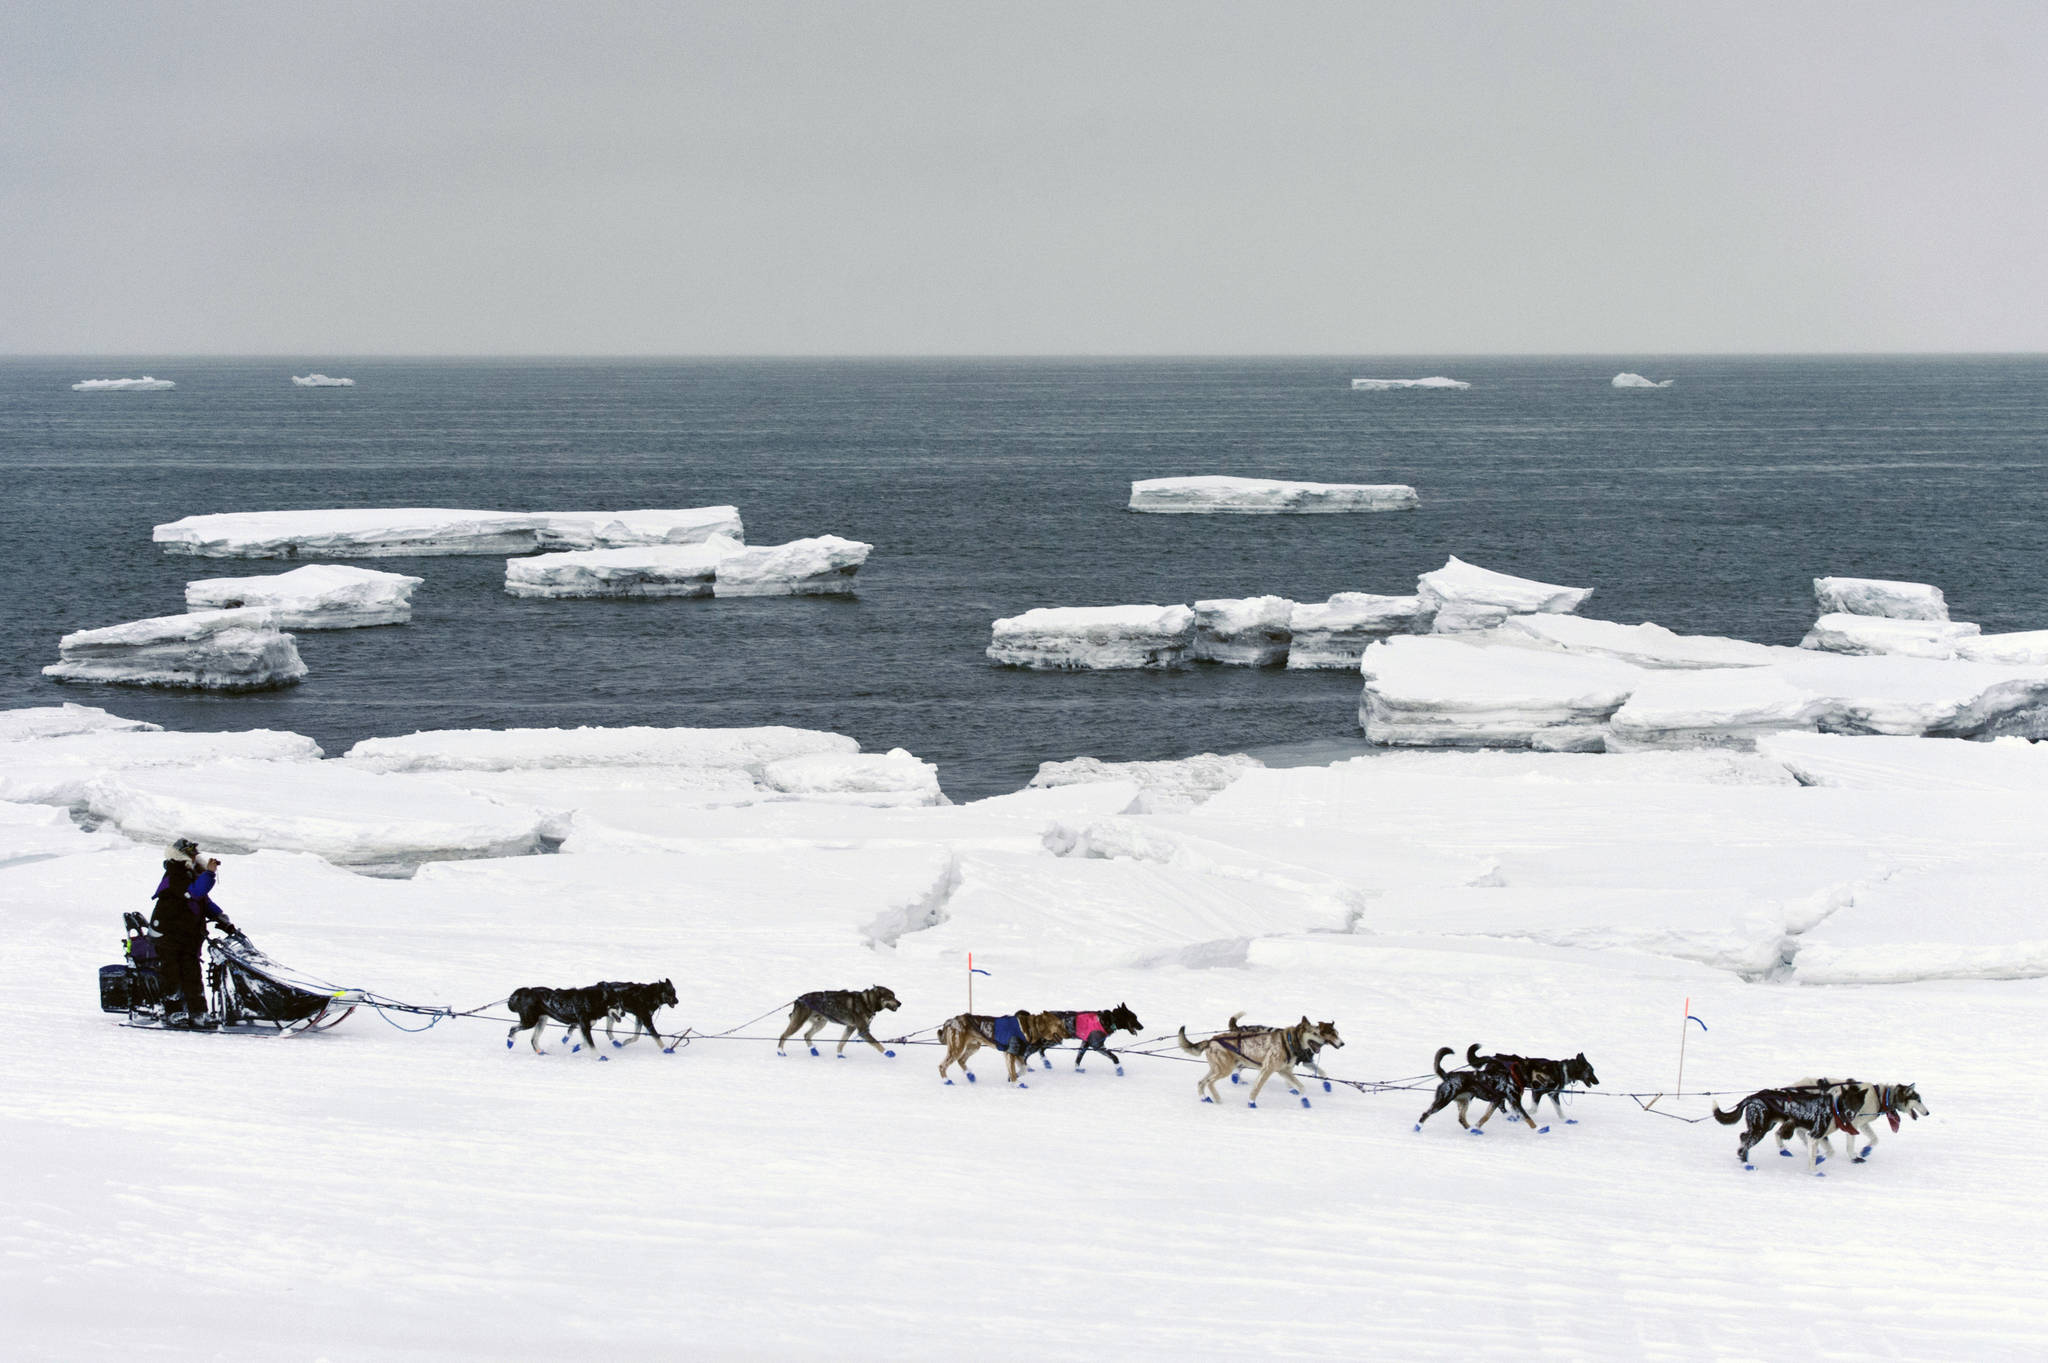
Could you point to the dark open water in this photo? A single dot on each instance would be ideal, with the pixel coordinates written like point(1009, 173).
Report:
point(990, 487)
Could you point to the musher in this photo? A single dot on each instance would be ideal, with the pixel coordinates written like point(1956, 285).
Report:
point(184, 907)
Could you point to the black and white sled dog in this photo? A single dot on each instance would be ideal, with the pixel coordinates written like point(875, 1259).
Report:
point(853, 1009)
point(1813, 1112)
point(1881, 1102)
point(1535, 1074)
point(1495, 1086)
point(577, 1009)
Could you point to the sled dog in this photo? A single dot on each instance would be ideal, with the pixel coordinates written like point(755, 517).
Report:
point(1497, 1086)
point(623, 999)
point(1014, 1034)
point(1888, 1102)
point(853, 1009)
point(1813, 1112)
point(1092, 1028)
point(575, 1008)
point(1270, 1051)
point(1537, 1075)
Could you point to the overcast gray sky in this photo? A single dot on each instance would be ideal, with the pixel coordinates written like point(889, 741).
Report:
point(1043, 178)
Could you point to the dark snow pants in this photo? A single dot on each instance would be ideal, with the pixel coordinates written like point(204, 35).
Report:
point(183, 975)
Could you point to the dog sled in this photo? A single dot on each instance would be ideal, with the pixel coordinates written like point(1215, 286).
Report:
point(245, 988)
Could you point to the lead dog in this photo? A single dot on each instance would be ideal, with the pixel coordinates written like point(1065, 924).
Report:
point(575, 1008)
point(1814, 1112)
point(1270, 1051)
point(1497, 1086)
point(1887, 1101)
point(1093, 1030)
point(853, 1009)
point(1535, 1074)
point(1014, 1034)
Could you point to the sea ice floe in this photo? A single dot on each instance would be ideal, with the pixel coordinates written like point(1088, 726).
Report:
point(870, 778)
point(145, 384)
point(2026, 648)
point(1167, 787)
point(1251, 631)
point(56, 721)
point(321, 381)
point(1978, 921)
point(1443, 692)
point(1334, 634)
point(1878, 596)
point(2011, 766)
point(57, 770)
point(646, 570)
point(633, 746)
point(1876, 634)
point(222, 650)
point(1462, 597)
point(317, 596)
point(1626, 380)
point(824, 565)
point(1091, 637)
point(1384, 385)
point(388, 532)
point(1219, 495)
point(344, 814)
point(1644, 645)
point(37, 832)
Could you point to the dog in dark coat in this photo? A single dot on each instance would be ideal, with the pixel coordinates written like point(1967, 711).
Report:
point(574, 1008)
point(1498, 1087)
point(1016, 1035)
point(853, 1009)
point(624, 999)
point(1881, 1102)
point(1815, 1113)
point(1107, 1023)
point(1544, 1078)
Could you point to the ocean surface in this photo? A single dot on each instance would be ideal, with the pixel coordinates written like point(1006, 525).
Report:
point(989, 487)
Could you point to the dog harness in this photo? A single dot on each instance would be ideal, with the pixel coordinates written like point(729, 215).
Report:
point(1087, 1025)
point(1007, 1033)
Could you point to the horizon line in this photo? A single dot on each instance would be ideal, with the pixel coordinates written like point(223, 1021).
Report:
point(985, 356)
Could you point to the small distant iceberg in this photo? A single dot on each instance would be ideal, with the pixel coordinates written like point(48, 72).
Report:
point(1638, 381)
point(145, 384)
point(1383, 385)
point(321, 381)
point(1219, 495)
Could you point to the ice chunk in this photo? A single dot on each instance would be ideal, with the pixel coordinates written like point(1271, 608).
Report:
point(1451, 693)
point(821, 566)
point(1252, 631)
point(55, 721)
point(1644, 645)
point(1638, 381)
point(1075, 638)
point(896, 774)
point(1219, 495)
point(317, 596)
point(648, 570)
point(345, 814)
point(1875, 634)
point(635, 746)
point(387, 532)
point(1462, 597)
point(227, 650)
point(1876, 762)
point(321, 381)
point(57, 770)
point(2027, 648)
point(1169, 787)
point(1877, 596)
point(1334, 634)
point(626, 529)
point(34, 833)
point(145, 384)
point(1384, 385)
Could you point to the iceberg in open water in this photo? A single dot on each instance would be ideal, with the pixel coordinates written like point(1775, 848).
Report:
point(145, 384)
point(217, 650)
point(1220, 495)
point(1251, 631)
point(390, 532)
point(1879, 596)
point(1462, 597)
point(824, 565)
point(1334, 634)
point(1385, 385)
point(1638, 381)
point(1878, 634)
point(1084, 638)
point(321, 381)
point(643, 570)
point(317, 596)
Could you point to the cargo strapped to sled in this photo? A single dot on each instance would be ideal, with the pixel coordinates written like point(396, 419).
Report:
point(250, 987)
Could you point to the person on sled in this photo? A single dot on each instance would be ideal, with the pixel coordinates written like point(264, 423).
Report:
point(184, 906)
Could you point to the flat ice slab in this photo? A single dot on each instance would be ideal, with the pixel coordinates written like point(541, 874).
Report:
point(1168, 787)
point(645, 570)
point(1874, 762)
point(57, 721)
point(1645, 645)
point(1220, 495)
point(896, 774)
point(145, 384)
point(58, 770)
point(1462, 597)
point(1438, 692)
point(387, 532)
point(1333, 635)
point(317, 596)
point(224, 650)
point(1249, 631)
point(1876, 634)
point(321, 381)
point(1080, 638)
point(634, 746)
point(1386, 385)
point(2026, 647)
point(1879, 596)
point(344, 814)
point(821, 566)
point(1626, 380)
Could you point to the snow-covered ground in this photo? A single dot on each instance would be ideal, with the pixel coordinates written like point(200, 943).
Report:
point(1825, 904)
